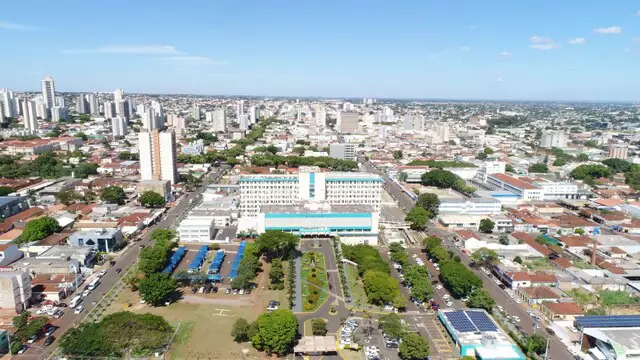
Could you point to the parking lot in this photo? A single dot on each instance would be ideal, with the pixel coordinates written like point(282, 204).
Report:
point(365, 332)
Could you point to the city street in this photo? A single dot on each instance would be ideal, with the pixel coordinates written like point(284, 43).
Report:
point(124, 262)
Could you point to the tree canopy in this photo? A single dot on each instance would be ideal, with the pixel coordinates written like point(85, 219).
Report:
point(429, 202)
point(39, 229)
point(113, 195)
point(277, 244)
point(418, 217)
point(381, 288)
point(151, 199)
point(487, 225)
point(539, 168)
point(156, 288)
point(590, 171)
point(413, 347)
point(431, 242)
point(459, 279)
point(444, 179)
point(618, 165)
point(276, 332)
point(5, 190)
point(484, 256)
point(391, 324)
point(481, 299)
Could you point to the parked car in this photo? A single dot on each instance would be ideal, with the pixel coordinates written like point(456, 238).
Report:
point(118, 271)
point(78, 309)
point(50, 329)
point(23, 349)
point(58, 314)
point(194, 290)
point(550, 331)
point(32, 339)
point(227, 291)
point(49, 340)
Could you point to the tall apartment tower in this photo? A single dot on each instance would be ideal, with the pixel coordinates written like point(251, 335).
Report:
point(30, 115)
point(8, 103)
point(150, 120)
point(551, 139)
point(618, 151)
point(119, 126)
point(218, 120)
point(347, 122)
point(118, 95)
point(94, 108)
point(158, 156)
point(321, 115)
point(195, 112)
point(109, 109)
point(240, 109)
point(49, 92)
point(81, 104)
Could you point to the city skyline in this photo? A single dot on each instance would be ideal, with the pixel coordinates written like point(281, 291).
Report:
point(496, 51)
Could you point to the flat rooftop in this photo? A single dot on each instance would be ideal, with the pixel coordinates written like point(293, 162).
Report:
point(627, 338)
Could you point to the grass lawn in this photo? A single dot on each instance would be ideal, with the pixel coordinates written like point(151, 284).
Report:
point(314, 296)
point(357, 290)
point(538, 264)
point(265, 295)
point(205, 329)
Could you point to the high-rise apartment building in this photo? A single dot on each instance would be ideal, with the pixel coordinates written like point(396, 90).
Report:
point(92, 101)
point(158, 156)
point(342, 151)
point(618, 151)
point(119, 126)
point(442, 132)
point(150, 121)
point(49, 92)
point(551, 139)
point(59, 113)
point(140, 109)
point(321, 115)
point(29, 114)
point(243, 122)
point(335, 188)
point(81, 104)
point(218, 120)
point(60, 101)
point(158, 109)
point(347, 122)
point(407, 122)
point(180, 126)
point(41, 109)
point(118, 95)
point(109, 109)
point(195, 112)
point(8, 103)
point(239, 108)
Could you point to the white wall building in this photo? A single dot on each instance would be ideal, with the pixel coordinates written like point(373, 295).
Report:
point(29, 115)
point(109, 109)
point(347, 122)
point(15, 289)
point(525, 190)
point(489, 167)
point(471, 206)
point(309, 184)
point(49, 92)
point(119, 126)
point(198, 229)
point(8, 103)
point(342, 151)
point(551, 139)
point(158, 156)
point(555, 190)
point(94, 108)
point(218, 119)
point(58, 113)
point(321, 116)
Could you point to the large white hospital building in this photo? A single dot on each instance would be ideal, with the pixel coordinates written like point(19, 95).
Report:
point(314, 203)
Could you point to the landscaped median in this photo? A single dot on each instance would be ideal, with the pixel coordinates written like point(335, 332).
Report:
point(315, 287)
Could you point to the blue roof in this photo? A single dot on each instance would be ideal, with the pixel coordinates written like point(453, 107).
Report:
point(608, 321)
point(470, 321)
point(236, 261)
point(4, 200)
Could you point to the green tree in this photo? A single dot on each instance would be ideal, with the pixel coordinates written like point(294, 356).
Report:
point(539, 168)
point(156, 288)
point(318, 327)
point(481, 156)
point(277, 244)
point(459, 279)
point(591, 143)
point(381, 288)
point(537, 343)
point(83, 170)
point(590, 171)
point(582, 157)
point(579, 231)
point(487, 225)
point(391, 324)
point(240, 330)
point(163, 236)
point(67, 197)
point(413, 347)
point(430, 202)
point(617, 165)
point(481, 299)
point(20, 321)
point(397, 154)
point(504, 239)
point(439, 254)
point(484, 256)
point(152, 259)
point(418, 218)
point(403, 177)
point(82, 136)
point(442, 179)
point(276, 273)
point(151, 199)
point(276, 332)
point(39, 229)
point(15, 346)
point(5, 190)
point(509, 168)
point(430, 242)
point(488, 151)
point(113, 195)
point(559, 162)
point(517, 259)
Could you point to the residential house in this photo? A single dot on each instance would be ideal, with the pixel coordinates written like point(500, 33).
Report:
point(538, 294)
point(103, 240)
point(563, 311)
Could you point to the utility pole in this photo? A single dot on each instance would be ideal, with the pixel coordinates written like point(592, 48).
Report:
point(546, 350)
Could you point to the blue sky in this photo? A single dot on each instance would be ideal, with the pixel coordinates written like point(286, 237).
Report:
point(475, 49)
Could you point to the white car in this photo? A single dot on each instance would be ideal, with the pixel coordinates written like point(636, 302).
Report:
point(78, 309)
point(103, 273)
point(86, 293)
point(518, 301)
point(449, 304)
point(439, 287)
point(516, 319)
point(465, 299)
point(500, 308)
point(497, 281)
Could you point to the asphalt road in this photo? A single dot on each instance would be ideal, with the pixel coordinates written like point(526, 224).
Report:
point(124, 262)
point(557, 350)
point(405, 202)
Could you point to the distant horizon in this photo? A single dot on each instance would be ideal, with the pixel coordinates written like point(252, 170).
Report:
point(351, 98)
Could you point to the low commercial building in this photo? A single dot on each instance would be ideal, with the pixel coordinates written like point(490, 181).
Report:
point(198, 229)
point(343, 151)
point(104, 240)
point(411, 174)
point(458, 222)
point(162, 187)
point(477, 335)
point(12, 205)
point(15, 289)
point(472, 206)
point(610, 336)
point(523, 189)
point(354, 224)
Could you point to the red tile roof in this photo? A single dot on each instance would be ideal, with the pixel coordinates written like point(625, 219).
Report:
point(563, 308)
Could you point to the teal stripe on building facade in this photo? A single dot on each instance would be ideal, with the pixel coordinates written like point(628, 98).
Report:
point(317, 215)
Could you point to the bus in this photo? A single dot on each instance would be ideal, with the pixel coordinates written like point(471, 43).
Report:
point(75, 301)
point(94, 284)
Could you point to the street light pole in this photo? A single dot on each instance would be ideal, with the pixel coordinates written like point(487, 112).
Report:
point(546, 350)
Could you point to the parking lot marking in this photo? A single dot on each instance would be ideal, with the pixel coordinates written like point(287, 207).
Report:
point(221, 312)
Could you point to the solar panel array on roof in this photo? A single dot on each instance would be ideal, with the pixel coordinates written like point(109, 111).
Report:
point(481, 321)
point(607, 321)
point(460, 321)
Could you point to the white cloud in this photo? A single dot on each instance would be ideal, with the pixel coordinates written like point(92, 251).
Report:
point(578, 41)
point(193, 60)
point(128, 49)
point(608, 30)
point(499, 80)
point(13, 26)
point(504, 55)
point(543, 43)
point(465, 48)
